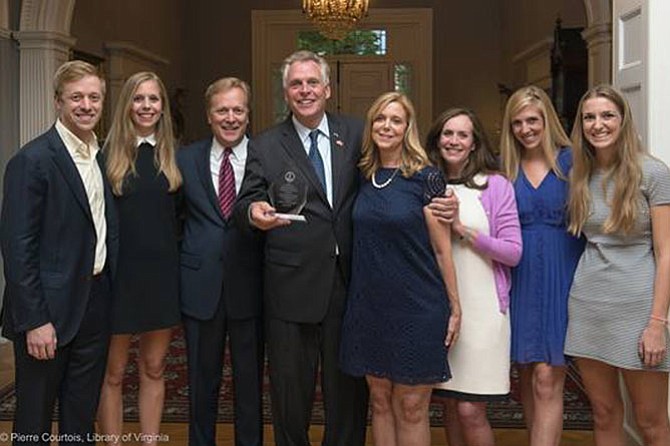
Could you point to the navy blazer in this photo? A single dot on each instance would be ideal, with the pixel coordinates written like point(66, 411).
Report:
point(48, 239)
point(300, 259)
point(217, 259)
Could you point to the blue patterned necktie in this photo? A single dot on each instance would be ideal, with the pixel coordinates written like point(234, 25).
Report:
point(315, 158)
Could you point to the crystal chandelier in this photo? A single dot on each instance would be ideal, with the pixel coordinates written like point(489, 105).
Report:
point(335, 18)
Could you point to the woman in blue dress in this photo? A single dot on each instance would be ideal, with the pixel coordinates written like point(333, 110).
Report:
point(537, 159)
point(403, 310)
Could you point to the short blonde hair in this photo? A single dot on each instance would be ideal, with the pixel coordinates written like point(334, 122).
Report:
point(224, 84)
point(72, 71)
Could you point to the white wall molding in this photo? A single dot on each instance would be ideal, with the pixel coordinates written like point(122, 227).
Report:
point(129, 51)
point(658, 58)
point(535, 63)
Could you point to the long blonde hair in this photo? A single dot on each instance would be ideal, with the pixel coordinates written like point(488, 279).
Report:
point(625, 170)
point(553, 138)
point(413, 156)
point(121, 144)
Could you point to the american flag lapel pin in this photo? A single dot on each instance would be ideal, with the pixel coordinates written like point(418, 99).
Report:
point(338, 141)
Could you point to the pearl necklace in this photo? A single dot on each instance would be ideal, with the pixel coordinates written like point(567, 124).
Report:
point(385, 183)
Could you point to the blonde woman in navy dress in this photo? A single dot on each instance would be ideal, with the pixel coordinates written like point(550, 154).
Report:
point(145, 180)
point(403, 309)
point(618, 308)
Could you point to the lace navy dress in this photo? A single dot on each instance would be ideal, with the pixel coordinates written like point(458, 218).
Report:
point(397, 311)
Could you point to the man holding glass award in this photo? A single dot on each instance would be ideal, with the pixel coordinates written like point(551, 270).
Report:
point(299, 187)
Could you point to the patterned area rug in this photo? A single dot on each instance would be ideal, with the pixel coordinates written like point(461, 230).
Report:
point(505, 414)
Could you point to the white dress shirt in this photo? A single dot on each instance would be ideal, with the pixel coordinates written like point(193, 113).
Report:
point(238, 159)
point(84, 157)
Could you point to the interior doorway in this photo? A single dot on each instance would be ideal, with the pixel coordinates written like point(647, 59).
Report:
point(402, 62)
point(356, 83)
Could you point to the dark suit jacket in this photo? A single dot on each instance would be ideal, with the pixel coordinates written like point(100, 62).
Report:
point(215, 254)
point(48, 239)
point(300, 259)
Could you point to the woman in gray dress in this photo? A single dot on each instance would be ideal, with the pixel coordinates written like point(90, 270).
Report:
point(618, 305)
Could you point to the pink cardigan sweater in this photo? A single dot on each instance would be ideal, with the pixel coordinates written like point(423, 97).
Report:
point(503, 245)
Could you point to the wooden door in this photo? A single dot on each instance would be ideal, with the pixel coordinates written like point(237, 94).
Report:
point(360, 83)
point(409, 47)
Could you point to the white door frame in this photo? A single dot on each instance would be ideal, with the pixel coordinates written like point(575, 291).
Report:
point(640, 68)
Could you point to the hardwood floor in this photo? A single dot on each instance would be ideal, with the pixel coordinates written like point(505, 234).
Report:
point(176, 433)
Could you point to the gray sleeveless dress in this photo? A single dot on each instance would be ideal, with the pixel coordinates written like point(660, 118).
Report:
point(611, 296)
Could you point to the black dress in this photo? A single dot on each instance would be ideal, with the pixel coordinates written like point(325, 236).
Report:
point(146, 287)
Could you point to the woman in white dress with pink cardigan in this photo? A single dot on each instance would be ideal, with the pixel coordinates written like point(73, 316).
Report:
point(487, 242)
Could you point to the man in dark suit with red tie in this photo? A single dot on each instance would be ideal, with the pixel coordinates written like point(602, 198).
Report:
point(59, 242)
point(307, 264)
point(221, 269)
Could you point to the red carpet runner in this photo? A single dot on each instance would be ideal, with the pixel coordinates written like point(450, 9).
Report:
point(506, 414)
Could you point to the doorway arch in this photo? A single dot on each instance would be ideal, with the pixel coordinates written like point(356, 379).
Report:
point(46, 15)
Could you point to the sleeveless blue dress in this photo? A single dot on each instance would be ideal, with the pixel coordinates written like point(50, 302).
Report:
point(541, 282)
point(397, 310)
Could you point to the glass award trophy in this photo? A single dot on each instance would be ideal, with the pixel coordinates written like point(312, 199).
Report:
point(288, 196)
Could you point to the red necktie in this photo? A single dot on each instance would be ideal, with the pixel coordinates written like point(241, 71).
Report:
point(226, 184)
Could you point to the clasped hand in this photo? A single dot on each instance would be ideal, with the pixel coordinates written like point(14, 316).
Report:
point(445, 207)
